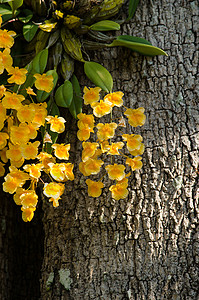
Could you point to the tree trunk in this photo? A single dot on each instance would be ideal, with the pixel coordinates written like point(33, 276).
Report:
point(146, 246)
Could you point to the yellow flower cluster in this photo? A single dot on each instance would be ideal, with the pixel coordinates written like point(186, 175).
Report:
point(20, 121)
point(91, 164)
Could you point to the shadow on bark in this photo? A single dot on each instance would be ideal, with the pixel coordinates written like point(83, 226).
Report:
point(21, 252)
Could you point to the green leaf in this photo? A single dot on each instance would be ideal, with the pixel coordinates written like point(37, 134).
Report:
point(132, 8)
point(64, 94)
point(15, 4)
point(5, 12)
point(134, 39)
point(76, 104)
point(138, 45)
point(29, 31)
point(5, 1)
point(40, 61)
point(42, 95)
point(105, 25)
point(98, 75)
point(52, 108)
point(25, 15)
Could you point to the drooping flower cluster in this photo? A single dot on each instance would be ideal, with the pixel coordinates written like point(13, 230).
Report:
point(104, 146)
point(20, 121)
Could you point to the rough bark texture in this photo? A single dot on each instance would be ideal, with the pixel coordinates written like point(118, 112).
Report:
point(146, 246)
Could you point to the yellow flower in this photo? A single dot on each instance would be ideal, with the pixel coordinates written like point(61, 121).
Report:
point(116, 171)
point(61, 172)
point(82, 168)
point(2, 169)
point(34, 170)
point(138, 151)
point(101, 109)
point(17, 195)
point(68, 170)
point(53, 190)
point(17, 163)
point(14, 152)
point(18, 75)
point(3, 155)
point(2, 91)
point(84, 134)
point(56, 123)
point(136, 117)
point(44, 82)
point(97, 153)
point(61, 151)
point(46, 158)
point(30, 91)
point(27, 213)
point(30, 150)
point(40, 113)
point(47, 138)
point(57, 171)
point(114, 148)
point(119, 191)
point(54, 201)
point(133, 141)
point(19, 134)
point(10, 185)
point(122, 122)
point(12, 100)
point(6, 38)
point(3, 139)
point(48, 26)
point(29, 199)
point(33, 130)
point(91, 166)
point(6, 60)
point(85, 121)
point(135, 163)
point(94, 188)
point(91, 95)
point(105, 146)
point(114, 99)
point(26, 113)
point(14, 179)
point(59, 14)
point(88, 150)
point(18, 175)
point(106, 131)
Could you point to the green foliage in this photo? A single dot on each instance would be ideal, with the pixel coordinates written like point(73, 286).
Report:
point(67, 36)
point(40, 61)
point(15, 4)
point(6, 12)
point(64, 94)
point(106, 25)
point(76, 104)
point(132, 8)
point(99, 75)
point(29, 31)
point(138, 45)
point(25, 15)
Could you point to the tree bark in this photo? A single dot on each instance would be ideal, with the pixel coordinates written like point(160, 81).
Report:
point(146, 246)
